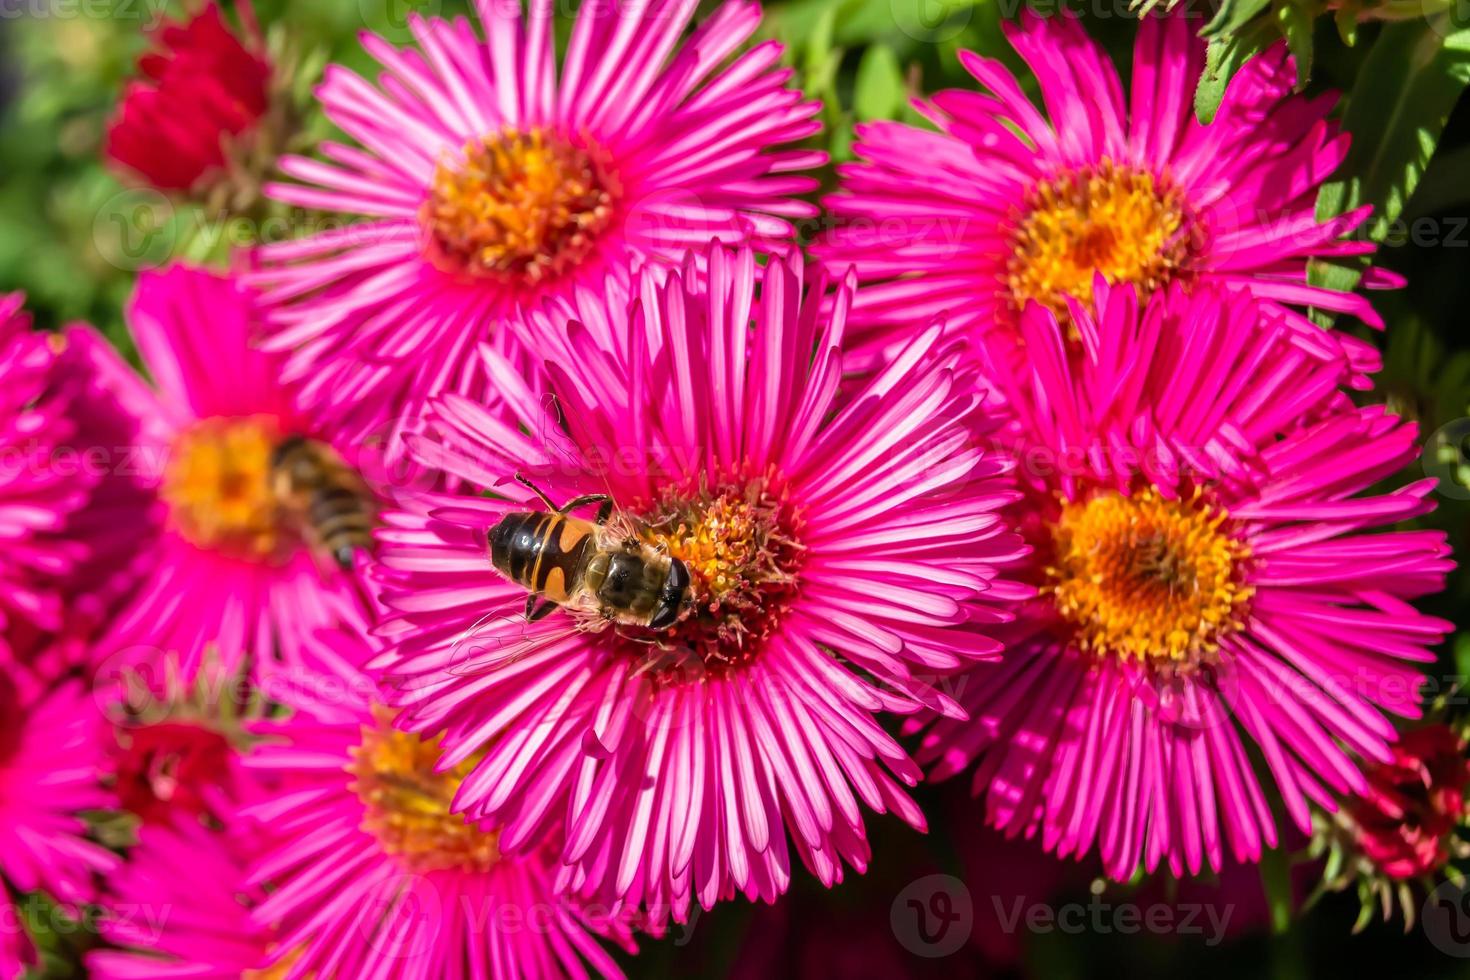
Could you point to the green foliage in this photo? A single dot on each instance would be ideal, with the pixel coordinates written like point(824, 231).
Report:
point(879, 90)
point(1411, 80)
point(1223, 58)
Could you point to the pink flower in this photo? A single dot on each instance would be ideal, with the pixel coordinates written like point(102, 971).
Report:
point(231, 579)
point(1008, 204)
point(367, 872)
point(39, 497)
point(1211, 586)
point(51, 754)
point(492, 187)
point(202, 88)
point(180, 907)
point(839, 554)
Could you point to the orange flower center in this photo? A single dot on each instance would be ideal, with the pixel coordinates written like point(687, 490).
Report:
point(744, 560)
point(1105, 219)
point(519, 205)
point(217, 486)
point(407, 802)
point(1146, 578)
point(279, 970)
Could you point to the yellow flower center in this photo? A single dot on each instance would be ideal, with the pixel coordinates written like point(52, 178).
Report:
point(217, 486)
point(523, 205)
point(278, 970)
point(739, 544)
point(407, 803)
point(1104, 219)
point(1148, 579)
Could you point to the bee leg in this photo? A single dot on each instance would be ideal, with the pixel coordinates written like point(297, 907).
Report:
point(536, 614)
point(604, 502)
point(524, 481)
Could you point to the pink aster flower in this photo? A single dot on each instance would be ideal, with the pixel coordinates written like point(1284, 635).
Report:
point(1008, 204)
point(180, 907)
point(51, 752)
point(491, 185)
point(1218, 609)
point(233, 577)
point(838, 553)
point(38, 494)
point(368, 872)
point(71, 523)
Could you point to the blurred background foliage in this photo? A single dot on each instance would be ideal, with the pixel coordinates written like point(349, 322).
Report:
point(72, 235)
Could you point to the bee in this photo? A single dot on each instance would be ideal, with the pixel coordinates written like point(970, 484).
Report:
point(602, 569)
point(324, 498)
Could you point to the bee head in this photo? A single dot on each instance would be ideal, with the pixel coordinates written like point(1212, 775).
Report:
point(675, 599)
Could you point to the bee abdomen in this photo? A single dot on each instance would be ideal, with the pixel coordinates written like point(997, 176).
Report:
point(541, 552)
point(342, 522)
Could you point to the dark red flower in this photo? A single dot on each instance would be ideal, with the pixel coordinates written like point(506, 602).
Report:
point(200, 84)
point(1407, 817)
point(172, 767)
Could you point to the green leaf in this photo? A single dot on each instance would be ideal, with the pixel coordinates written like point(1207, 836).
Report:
point(879, 92)
point(1223, 59)
point(1296, 21)
point(1406, 88)
point(1232, 16)
point(1346, 20)
point(1276, 880)
point(1396, 113)
point(1462, 654)
point(819, 49)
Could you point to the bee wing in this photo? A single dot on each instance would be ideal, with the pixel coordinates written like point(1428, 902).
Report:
point(621, 526)
point(504, 637)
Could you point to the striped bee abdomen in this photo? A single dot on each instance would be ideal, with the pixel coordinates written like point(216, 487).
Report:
point(342, 522)
point(542, 552)
point(604, 573)
point(325, 497)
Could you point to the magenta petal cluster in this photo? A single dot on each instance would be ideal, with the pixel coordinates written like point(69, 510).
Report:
point(51, 758)
point(1008, 203)
point(367, 873)
point(1252, 529)
point(42, 484)
point(492, 183)
point(213, 590)
point(180, 907)
point(849, 553)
